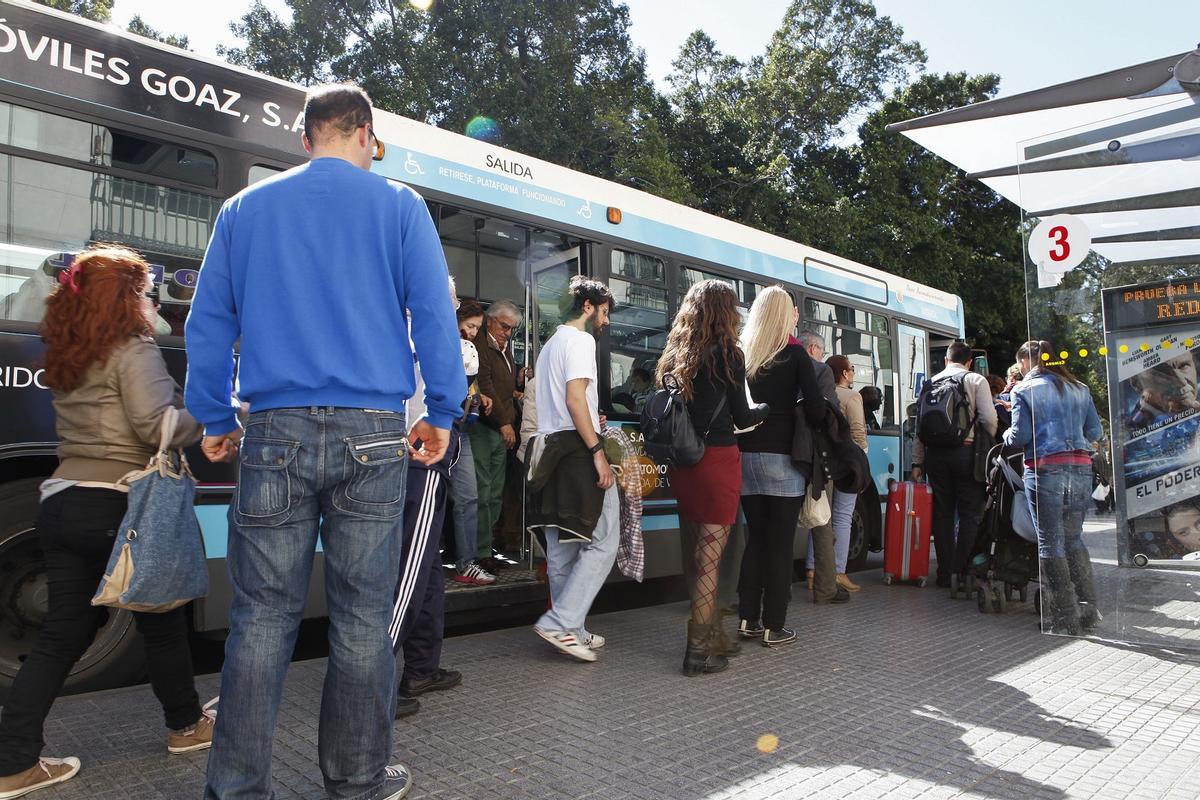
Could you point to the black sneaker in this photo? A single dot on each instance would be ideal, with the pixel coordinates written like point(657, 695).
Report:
point(776, 638)
point(397, 782)
point(407, 706)
point(442, 679)
point(750, 630)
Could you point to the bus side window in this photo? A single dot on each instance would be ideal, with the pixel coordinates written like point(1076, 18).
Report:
point(638, 332)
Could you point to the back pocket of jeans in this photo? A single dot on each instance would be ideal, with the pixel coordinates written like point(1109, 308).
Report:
point(374, 473)
point(268, 482)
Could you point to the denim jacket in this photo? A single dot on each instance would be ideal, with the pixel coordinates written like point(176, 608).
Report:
point(1050, 421)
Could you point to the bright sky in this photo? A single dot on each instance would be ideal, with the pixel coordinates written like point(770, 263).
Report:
point(1029, 43)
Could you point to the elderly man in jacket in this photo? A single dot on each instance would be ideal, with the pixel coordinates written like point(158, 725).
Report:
point(495, 433)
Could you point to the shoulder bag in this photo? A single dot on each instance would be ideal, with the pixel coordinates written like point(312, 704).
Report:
point(158, 561)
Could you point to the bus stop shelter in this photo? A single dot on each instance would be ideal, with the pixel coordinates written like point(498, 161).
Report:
point(1105, 174)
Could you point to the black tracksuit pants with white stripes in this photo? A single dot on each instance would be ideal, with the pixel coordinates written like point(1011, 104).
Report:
point(418, 613)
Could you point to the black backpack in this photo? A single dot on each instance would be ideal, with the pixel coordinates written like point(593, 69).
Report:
point(944, 413)
point(669, 437)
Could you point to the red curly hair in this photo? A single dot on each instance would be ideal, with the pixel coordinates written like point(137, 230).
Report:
point(85, 321)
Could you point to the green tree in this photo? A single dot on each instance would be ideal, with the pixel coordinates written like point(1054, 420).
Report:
point(97, 10)
point(562, 81)
point(744, 133)
point(907, 211)
point(138, 25)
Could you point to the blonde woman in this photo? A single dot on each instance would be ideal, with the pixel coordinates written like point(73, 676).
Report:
point(772, 487)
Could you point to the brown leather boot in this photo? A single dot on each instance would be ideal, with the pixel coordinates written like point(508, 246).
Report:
point(723, 644)
point(699, 658)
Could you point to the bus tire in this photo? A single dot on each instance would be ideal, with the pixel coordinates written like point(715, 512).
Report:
point(865, 529)
point(116, 657)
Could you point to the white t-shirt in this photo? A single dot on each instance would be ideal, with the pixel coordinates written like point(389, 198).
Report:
point(569, 354)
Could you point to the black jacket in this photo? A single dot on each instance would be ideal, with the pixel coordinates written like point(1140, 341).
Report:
point(561, 490)
point(826, 453)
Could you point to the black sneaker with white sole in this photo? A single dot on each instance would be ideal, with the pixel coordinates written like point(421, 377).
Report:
point(778, 637)
point(397, 782)
point(750, 630)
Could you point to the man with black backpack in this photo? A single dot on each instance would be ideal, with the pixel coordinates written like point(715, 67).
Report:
point(953, 404)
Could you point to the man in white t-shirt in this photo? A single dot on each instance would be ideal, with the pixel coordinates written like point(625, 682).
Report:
point(567, 400)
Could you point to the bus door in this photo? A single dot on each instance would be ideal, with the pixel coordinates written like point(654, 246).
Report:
point(913, 372)
point(546, 280)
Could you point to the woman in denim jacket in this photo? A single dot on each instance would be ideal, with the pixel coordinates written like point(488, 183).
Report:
point(1055, 420)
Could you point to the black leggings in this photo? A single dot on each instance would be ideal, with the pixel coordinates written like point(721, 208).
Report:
point(76, 528)
point(766, 582)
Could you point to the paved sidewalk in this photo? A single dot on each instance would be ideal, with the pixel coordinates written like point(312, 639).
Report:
point(901, 693)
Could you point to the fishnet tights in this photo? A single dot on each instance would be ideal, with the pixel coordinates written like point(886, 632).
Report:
point(710, 544)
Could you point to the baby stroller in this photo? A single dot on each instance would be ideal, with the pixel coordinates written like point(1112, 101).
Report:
point(1006, 555)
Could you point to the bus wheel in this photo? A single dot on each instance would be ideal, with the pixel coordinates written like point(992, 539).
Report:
point(115, 657)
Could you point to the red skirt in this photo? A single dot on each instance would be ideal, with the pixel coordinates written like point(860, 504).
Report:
point(710, 491)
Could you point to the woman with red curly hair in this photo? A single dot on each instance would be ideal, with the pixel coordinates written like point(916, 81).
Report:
point(702, 357)
point(111, 389)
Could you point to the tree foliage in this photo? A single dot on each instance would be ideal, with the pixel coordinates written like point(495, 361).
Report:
point(138, 25)
point(96, 10)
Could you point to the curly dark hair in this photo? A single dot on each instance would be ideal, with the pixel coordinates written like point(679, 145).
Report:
point(704, 334)
point(468, 309)
point(83, 326)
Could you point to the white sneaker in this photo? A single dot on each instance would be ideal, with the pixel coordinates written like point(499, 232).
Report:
point(475, 575)
point(566, 642)
point(593, 641)
point(47, 772)
point(397, 780)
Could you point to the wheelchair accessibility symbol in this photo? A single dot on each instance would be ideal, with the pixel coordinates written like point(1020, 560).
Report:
point(585, 210)
point(411, 165)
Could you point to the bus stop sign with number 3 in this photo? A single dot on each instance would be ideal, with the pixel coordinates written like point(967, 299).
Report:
point(1060, 243)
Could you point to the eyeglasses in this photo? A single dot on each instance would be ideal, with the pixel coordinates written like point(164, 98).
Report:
point(379, 147)
point(152, 296)
point(506, 327)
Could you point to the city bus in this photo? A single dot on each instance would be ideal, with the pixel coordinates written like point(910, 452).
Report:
point(107, 136)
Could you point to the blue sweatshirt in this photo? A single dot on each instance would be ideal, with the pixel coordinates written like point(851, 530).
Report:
point(313, 269)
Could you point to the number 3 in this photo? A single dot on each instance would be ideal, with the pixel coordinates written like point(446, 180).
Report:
point(1059, 234)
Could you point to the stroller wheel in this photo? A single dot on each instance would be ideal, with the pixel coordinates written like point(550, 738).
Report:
point(999, 600)
point(922, 582)
point(1037, 601)
point(954, 587)
point(981, 600)
point(1022, 594)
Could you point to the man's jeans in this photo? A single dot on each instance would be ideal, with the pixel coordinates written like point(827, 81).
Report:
point(951, 472)
point(465, 494)
point(339, 472)
point(841, 508)
point(577, 570)
point(1058, 497)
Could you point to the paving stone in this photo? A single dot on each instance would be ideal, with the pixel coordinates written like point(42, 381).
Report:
point(900, 693)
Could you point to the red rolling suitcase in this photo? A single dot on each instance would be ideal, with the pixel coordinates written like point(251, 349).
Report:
point(906, 533)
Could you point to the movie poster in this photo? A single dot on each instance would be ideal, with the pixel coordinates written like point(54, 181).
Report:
point(1153, 339)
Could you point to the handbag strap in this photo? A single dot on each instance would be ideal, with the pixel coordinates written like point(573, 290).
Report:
point(170, 421)
point(713, 420)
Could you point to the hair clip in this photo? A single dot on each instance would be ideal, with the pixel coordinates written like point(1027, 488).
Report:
point(69, 277)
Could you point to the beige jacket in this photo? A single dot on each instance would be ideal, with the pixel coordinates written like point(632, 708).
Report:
point(852, 407)
point(109, 425)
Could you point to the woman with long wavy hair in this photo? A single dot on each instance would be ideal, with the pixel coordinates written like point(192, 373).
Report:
point(702, 357)
point(111, 390)
point(772, 486)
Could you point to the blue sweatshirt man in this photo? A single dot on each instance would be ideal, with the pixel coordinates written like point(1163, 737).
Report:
point(313, 270)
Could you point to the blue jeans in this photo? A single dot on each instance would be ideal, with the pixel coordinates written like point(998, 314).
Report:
point(841, 506)
point(577, 570)
point(340, 473)
point(465, 493)
point(1058, 497)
